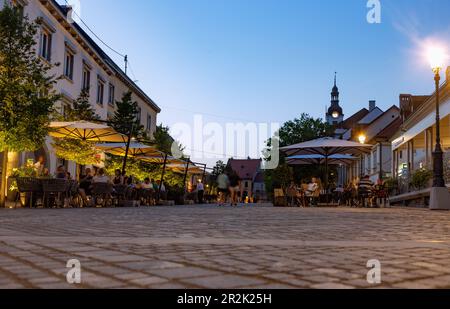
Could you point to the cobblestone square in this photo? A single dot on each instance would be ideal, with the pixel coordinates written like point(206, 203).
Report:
point(224, 247)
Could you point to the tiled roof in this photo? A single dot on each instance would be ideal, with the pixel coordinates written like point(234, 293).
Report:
point(351, 121)
point(389, 131)
point(371, 116)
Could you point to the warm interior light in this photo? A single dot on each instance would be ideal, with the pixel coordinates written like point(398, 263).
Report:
point(362, 139)
point(436, 56)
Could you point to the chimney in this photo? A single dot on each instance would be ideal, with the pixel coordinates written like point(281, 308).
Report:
point(372, 105)
point(447, 75)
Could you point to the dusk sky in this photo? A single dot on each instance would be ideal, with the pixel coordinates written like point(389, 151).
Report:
point(269, 61)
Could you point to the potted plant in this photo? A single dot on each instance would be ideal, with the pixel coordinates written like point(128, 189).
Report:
point(391, 185)
point(27, 170)
point(421, 178)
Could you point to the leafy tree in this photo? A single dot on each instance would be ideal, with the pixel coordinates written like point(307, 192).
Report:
point(79, 151)
point(125, 118)
point(303, 129)
point(165, 142)
point(27, 96)
point(81, 109)
point(296, 131)
point(219, 168)
point(141, 170)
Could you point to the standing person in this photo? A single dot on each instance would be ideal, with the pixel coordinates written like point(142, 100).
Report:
point(234, 188)
point(200, 191)
point(222, 185)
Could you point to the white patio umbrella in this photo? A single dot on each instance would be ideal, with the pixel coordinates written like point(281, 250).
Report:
point(87, 131)
point(135, 149)
point(320, 159)
point(327, 146)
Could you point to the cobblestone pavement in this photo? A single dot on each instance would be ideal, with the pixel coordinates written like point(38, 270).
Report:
point(212, 247)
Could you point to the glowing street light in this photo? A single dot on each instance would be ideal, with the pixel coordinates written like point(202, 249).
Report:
point(362, 138)
point(439, 195)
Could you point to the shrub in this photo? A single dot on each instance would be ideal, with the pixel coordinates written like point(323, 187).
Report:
point(421, 178)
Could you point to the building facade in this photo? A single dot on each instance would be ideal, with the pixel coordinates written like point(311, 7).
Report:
point(414, 143)
point(83, 65)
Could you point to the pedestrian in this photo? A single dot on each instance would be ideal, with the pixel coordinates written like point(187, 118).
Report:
point(200, 191)
point(234, 188)
point(222, 185)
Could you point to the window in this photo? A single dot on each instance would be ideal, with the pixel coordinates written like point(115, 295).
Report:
point(66, 104)
point(100, 90)
point(86, 82)
point(138, 114)
point(111, 94)
point(68, 64)
point(46, 45)
point(149, 122)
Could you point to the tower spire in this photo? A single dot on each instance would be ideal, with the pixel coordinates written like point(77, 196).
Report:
point(335, 73)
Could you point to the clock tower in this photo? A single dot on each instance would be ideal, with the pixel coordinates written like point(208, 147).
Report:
point(334, 114)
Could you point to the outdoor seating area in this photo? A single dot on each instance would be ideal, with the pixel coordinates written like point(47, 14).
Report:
point(63, 193)
point(373, 196)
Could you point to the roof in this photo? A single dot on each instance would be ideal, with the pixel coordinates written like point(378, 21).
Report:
point(389, 131)
point(371, 116)
point(352, 120)
point(119, 72)
point(246, 169)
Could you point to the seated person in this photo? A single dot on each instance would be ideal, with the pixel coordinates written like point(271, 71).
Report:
point(85, 185)
point(118, 178)
point(312, 188)
point(61, 172)
point(365, 185)
point(101, 177)
point(147, 184)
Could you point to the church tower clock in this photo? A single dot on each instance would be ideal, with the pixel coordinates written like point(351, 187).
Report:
point(334, 115)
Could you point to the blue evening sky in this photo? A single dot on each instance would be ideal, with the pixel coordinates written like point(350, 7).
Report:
point(267, 60)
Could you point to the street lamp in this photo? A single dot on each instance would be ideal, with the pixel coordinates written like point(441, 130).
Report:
point(439, 195)
point(362, 140)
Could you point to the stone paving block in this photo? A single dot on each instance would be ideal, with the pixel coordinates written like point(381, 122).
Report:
point(183, 272)
point(225, 247)
point(149, 280)
point(331, 285)
point(223, 281)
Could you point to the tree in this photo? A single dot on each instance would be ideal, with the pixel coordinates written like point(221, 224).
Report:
point(219, 168)
point(79, 151)
point(296, 131)
point(126, 117)
point(303, 129)
point(162, 139)
point(81, 109)
point(27, 96)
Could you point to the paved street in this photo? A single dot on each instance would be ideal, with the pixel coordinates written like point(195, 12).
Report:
point(212, 247)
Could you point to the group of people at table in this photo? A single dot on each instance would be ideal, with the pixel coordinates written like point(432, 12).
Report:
point(148, 191)
point(362, 193)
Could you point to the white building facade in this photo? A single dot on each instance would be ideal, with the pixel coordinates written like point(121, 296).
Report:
point(83, 65)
